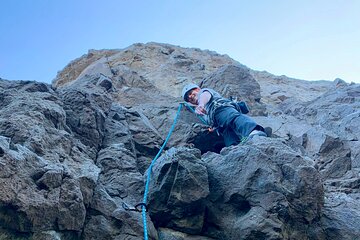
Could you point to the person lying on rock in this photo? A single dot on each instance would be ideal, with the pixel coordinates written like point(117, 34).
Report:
point(222, 114)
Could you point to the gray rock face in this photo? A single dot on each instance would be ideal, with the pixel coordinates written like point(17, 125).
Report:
point(265, 189)
point(341, 215)
point(48, 174)
point(75, 153)
point(178, 190)
point(238, 83)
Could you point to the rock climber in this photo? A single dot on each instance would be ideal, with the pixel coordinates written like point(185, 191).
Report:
point(222, 114)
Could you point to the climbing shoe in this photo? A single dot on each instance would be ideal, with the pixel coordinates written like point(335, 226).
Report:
point(268, 131)
point(257, 133)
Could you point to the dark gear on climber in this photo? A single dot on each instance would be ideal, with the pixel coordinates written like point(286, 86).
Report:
point(222, 114)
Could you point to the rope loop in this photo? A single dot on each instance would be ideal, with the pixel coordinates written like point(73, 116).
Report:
point(136, 208)
point(142, 205)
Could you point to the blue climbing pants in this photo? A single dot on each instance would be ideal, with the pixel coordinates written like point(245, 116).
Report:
point(233, 125)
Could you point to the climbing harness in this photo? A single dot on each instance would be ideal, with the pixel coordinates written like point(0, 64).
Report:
point(240, 106)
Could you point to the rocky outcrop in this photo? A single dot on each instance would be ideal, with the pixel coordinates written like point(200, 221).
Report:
point(77, 66)
point(236, 82)
point(75, 155)
point(48, 175)
point(267, 190)
point(178, 190)
point(165, 66)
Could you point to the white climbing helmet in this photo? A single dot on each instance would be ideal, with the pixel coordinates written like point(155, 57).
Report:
point(187, 88)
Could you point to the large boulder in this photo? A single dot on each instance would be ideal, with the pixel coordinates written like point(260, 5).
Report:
point(262, 189)
point(178, 189)
point(235, 81)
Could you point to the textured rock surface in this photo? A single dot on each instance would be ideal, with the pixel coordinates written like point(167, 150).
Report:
point(265, 188)
point(178, 190)
point(73, 153)
point(237, 82)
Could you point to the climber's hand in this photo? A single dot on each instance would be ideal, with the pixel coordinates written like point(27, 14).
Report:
point(200, 110)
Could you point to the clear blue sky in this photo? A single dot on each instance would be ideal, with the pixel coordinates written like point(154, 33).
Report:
point(306, 39)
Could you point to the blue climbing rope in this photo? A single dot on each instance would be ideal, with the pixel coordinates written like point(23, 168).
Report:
point(192, 110)
point(143, 205)
point(150, 168)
